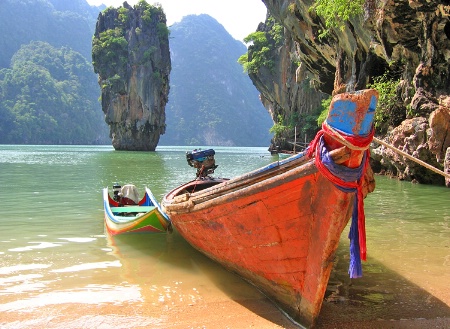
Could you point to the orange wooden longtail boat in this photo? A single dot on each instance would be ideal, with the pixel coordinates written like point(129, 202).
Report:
point(279, 226)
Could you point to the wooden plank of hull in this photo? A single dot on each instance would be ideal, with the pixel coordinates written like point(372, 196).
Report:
point(280, 236)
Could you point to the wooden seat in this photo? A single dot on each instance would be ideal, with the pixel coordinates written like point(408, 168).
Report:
point(132, 209)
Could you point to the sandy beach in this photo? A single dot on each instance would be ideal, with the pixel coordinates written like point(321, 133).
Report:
point(250, 313)
point(148, 283)
point(229, 302)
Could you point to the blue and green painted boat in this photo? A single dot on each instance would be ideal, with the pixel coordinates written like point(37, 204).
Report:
point(145, 216)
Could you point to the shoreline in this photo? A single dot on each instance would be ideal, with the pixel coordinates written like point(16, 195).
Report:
point(365, 303)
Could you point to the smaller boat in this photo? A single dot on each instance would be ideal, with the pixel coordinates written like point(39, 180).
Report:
point(125, 212)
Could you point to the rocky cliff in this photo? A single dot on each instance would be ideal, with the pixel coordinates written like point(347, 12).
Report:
point(131, 55)
point(286, 91)
point(404, 40)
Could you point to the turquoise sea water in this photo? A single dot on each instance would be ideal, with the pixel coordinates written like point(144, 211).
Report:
point(57, 264)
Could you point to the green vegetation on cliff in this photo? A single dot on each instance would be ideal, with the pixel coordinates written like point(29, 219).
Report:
point(336, 12)
point(48, 90)
point(110, 49)
point(388, 112)
point(261, 44)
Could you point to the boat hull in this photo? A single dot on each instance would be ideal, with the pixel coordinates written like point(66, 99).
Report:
point(146, 217)
point(275, 235)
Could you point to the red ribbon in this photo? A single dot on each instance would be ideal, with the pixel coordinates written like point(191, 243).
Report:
point(358, 142)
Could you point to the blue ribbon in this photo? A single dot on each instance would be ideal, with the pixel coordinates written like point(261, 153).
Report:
point(348, 175)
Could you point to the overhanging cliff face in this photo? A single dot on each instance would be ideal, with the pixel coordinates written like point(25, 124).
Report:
point(288, 92)
point(408, 39)
point(413, 33)
point(131, 56)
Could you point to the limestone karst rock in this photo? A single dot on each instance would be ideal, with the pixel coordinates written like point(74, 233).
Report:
point(131, 55)
point(409, 40)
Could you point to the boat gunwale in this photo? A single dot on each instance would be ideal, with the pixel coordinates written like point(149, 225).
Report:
point(244, 184)
point(156, 204)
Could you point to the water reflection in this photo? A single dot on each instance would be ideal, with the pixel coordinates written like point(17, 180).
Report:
point(408, 231)
point(90, 294)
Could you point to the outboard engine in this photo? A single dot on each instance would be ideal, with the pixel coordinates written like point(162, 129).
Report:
point(116, 191)
point(203, 161)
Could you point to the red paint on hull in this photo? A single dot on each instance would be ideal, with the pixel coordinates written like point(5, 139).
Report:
point(281, 239)
point(278, 227)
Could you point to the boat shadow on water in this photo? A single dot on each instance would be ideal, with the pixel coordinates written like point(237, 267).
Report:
point(143, 255)
point(381, 299)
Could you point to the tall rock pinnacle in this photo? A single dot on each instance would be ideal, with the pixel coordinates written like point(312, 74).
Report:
point(130, 53)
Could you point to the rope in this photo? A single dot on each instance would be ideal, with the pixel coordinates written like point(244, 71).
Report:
point(348, 180)
point(410, 157)
point(357, 143)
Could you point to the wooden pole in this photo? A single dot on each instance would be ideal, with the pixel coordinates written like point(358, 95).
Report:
point(410, 157)
point(295, 137)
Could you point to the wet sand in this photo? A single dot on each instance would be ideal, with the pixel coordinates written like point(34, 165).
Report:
point(221, 312)
point(160, 297)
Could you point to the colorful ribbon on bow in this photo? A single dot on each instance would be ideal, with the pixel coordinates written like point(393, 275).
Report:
point(349, 180)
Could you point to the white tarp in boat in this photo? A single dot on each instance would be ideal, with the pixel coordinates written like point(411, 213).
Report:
point(131, 192)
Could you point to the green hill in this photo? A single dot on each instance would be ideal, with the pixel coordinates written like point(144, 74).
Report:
point(211, 100)
point(48, 89)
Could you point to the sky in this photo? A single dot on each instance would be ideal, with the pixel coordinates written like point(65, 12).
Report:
point(238, 17)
